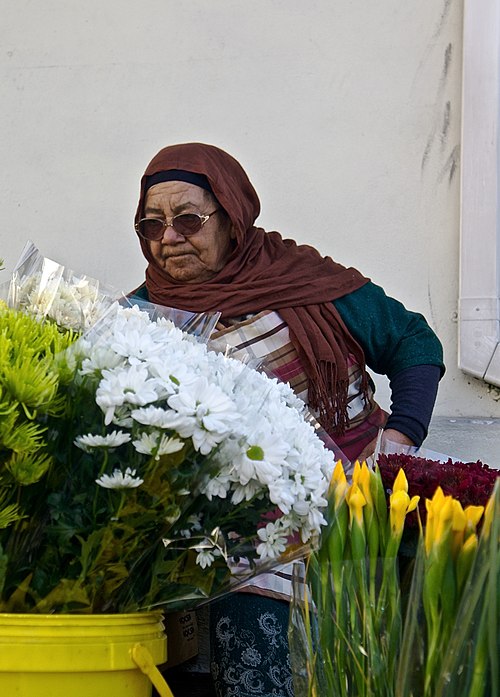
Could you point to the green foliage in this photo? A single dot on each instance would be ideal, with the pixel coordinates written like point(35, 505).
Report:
point(28, 389)
point(31, 376)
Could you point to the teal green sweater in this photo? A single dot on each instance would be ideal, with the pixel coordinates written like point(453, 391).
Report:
point(392, 337)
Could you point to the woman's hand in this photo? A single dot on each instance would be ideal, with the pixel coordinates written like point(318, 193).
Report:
point(389, 434)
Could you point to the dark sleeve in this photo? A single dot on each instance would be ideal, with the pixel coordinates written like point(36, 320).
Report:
point(392, 337)
point(413, 393)
point(400, 344)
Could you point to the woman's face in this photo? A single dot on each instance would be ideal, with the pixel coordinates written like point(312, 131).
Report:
point(201, 256)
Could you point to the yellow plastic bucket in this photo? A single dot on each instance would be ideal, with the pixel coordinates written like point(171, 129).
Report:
point(82, 655)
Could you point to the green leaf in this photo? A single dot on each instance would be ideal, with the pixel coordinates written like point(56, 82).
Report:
point(67, 595)
point(17, 602)
point(4, 558)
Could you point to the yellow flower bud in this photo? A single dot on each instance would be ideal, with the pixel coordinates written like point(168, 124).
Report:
point(399, 501)
point(338, 476)
point(459, 520)
point(441, 510)
point(458, 523)
point(439, 517)
point(400, 483)
point(470, 545)
point(363, 482)
point(338, 484)
point(438, 497)
point(356, 472)
point(400, 505)
point(413, 503)
point(473, 515)
point(356, 501)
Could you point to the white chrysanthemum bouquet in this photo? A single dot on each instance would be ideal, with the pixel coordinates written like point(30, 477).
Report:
point(164, 465)
point(47, 289)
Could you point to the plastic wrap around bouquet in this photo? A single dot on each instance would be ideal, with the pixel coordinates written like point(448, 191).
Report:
point(74, 301)
point(47, 289)
point(139, 468)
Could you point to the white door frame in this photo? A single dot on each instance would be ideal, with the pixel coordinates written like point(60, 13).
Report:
point(479, 303)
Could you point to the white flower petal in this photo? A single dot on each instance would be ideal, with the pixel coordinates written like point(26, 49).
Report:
point(111, 440)
point(119, 480)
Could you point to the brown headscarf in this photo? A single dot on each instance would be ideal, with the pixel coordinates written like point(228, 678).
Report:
point(266, 272)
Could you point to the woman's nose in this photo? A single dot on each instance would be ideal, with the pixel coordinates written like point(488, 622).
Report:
point(171, 236)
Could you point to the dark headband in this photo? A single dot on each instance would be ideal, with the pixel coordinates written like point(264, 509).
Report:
point(178, 175)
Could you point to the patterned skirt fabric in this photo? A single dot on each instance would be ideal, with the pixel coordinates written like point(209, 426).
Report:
point(249, 647)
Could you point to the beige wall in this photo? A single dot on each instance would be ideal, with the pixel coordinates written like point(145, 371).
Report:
point(345, 114)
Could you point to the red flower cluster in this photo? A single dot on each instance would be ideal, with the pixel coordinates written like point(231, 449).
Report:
point(470, 482)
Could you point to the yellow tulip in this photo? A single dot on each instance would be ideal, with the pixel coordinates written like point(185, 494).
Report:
point(464, 522)
point(432, 505)
point(444, 520)
point(356, 501)
point(399, 501)
point(458, 524)
point(458, 521)
point(439, 519)
point(356, 472)
point(473, 515)
point(338, 484)
point(400, 505)
point(400, 483)
point(413, 504)
point(437, 498)
point(470, 544)
point(364, 478)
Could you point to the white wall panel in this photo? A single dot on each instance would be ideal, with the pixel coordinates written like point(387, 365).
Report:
point(345, 114)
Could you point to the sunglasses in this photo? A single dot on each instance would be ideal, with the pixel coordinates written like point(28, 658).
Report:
point(186, 224)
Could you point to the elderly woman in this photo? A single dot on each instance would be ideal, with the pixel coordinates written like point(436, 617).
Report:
point(311, 321)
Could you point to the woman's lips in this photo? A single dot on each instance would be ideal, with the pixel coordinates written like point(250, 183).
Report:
point(178, 255)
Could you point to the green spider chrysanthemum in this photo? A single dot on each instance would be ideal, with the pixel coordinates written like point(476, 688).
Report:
point(27, 468)
point(20, 435)
point(8, 514)
point(32, 383)
point(29, 388)
point(27, 359)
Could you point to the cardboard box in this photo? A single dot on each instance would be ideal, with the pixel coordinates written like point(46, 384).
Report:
point(182, 637)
